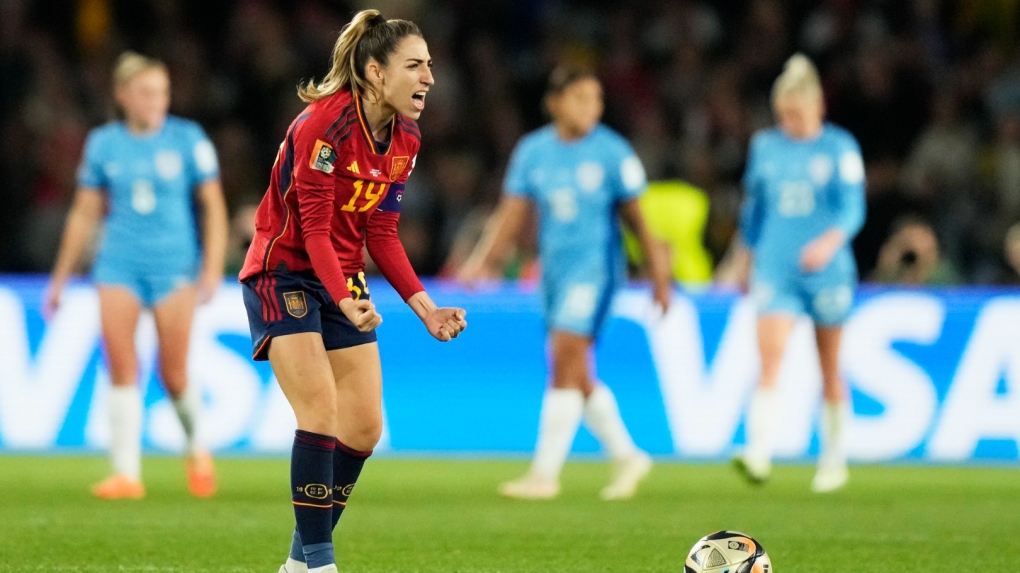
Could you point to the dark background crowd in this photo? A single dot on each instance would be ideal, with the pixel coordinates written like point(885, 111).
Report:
point(930, 88)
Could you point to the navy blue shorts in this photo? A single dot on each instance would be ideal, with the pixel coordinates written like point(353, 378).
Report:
point(281, 302)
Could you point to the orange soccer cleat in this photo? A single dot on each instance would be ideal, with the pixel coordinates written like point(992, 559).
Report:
point(119, 487)
point(201, 475)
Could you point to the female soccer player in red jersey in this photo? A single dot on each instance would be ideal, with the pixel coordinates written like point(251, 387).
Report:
point(335, 188)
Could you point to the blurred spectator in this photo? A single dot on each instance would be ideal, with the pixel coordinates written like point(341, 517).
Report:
point(911, 257)
point(931, 90)
point(676, 213)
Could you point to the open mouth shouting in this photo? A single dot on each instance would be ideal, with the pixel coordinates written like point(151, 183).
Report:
point(418, 100)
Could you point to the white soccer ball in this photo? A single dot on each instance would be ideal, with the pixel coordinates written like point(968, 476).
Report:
point(727, 552)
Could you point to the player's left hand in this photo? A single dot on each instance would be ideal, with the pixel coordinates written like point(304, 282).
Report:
point(817, 254)
point(446, 323)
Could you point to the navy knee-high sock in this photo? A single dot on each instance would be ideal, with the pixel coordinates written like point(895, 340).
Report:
point(347, 464)
point(311, 479)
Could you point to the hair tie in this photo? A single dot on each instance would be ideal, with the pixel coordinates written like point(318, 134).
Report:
point(377, 20)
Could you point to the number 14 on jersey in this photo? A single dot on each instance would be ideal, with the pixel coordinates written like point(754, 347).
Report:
point(366, 194)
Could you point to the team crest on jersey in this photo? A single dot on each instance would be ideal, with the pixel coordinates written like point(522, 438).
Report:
point(397, 165)
point(323, 157)
point(296, 305)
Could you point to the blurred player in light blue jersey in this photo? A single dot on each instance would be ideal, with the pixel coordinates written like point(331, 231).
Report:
point(582, 177)
point(151, 172)
point(805, 203)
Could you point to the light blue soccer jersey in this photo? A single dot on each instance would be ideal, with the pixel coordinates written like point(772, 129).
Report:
point(796, 191)
point(576, 187)
point(150, 181)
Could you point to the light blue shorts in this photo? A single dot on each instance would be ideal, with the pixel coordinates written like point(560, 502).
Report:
point(150, 287)
point(577, 306)
point(827, 297)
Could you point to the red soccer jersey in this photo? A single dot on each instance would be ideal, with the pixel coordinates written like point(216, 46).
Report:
point(332, 190)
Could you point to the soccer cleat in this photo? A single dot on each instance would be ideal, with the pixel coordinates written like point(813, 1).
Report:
point(754, 472)
point(830, 477)
point(293, 566)
point(530, 487)
point(119, 487)
point(627, 474)
point(201, 475)
point(331, 568)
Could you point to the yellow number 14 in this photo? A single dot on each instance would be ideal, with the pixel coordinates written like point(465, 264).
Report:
point(371, 195)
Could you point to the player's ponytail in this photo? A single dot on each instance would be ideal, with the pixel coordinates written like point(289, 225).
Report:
point(130, 64)
point(367, 36)
point(799, 77)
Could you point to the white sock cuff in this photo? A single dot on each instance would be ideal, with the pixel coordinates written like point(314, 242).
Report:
point(126, 395)
point(600, 395)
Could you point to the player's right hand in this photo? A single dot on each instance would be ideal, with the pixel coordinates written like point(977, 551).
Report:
point(361, 313)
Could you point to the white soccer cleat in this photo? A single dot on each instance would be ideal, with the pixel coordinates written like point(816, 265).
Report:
point(830, 477)
point(293, 566)
point(530, 487)
point(755, 471)
point(627, 474)
point(327, 569)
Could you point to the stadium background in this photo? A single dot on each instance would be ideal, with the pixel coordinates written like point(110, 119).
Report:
point(931, 89)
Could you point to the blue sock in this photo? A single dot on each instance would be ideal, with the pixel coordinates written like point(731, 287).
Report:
point(311, 469)
point(347, 464)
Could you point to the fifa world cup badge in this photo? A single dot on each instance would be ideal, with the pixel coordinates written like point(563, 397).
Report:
point(323, 157)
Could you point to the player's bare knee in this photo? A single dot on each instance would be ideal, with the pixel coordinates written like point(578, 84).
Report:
point(364, 438)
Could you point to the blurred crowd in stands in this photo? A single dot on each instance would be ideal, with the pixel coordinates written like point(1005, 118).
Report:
point(930, 88)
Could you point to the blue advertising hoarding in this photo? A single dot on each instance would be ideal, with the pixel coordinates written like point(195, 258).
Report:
point(935, 375)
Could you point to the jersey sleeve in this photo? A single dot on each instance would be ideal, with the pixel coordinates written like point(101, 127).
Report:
point(90, 171)
point(383, 242)
point(628, 174)
point(850, 201)
point(516, 182)
point(203, 162)
point(752, 210)
point(314, 185)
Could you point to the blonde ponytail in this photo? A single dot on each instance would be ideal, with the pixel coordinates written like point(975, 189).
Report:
point(800, 76)
point(367, 36)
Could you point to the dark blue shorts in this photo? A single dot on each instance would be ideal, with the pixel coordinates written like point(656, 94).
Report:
point(281, 302)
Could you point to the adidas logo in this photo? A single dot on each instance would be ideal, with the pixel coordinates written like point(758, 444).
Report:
point(353, 167)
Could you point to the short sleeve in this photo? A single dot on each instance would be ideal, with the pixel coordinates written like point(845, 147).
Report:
point(632, 178)
point(851, 164)
point(90, 171)
point(516, 182)
point(202, 153)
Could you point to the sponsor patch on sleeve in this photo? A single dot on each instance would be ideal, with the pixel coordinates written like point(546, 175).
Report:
point(323, 157)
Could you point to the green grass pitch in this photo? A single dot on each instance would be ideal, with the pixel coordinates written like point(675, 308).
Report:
point(429, 516)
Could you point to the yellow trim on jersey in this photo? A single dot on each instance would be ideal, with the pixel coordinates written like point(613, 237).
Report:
point(368, 132)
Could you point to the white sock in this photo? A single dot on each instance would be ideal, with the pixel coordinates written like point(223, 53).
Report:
point(833, 421)
point(762, 425)
point(188, 405)
point(558, 423)
point(602, 416)
point(126, 431)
